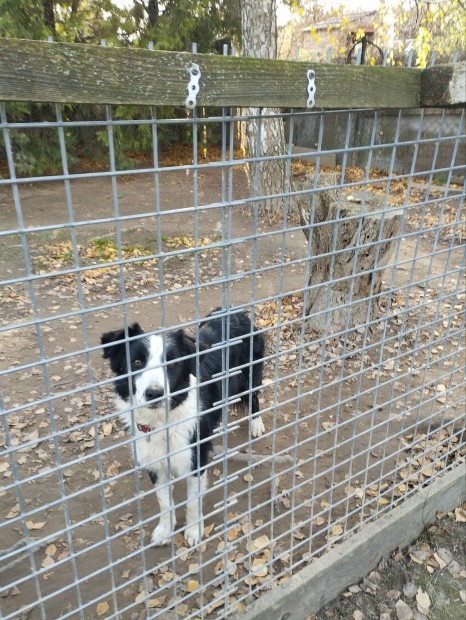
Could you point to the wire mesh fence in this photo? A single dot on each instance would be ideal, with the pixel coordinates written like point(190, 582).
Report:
point(356, 283)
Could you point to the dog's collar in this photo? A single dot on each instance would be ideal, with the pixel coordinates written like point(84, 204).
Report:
point(143, 428)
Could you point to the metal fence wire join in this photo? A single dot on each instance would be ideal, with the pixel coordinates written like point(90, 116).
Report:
point(354, 286)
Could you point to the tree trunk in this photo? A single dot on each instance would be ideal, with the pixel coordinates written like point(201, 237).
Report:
point(152, 13)
point(259, 40)
point(346, 257)
point(49, 16)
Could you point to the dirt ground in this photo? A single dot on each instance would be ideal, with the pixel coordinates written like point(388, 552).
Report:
point(352, 424)
point(427, 580)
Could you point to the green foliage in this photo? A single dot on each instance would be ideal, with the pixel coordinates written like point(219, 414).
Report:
point(169, 24)
point(23, 19)
point(36, 151)
point(205, 22)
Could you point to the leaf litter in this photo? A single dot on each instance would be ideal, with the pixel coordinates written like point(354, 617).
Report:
point(425, 581)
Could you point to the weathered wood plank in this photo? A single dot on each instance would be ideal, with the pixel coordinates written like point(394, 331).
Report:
point(317, 584)
point(70, 73)
point(444, 85)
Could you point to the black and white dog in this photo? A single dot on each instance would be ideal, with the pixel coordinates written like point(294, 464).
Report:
point(176, 402)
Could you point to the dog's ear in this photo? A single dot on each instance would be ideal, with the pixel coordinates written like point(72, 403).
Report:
point(186, 343)
point(118, 336)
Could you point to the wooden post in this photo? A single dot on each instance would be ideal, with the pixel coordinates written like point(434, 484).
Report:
point(351, 238)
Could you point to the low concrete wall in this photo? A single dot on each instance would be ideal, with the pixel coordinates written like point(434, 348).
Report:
point(428, 124)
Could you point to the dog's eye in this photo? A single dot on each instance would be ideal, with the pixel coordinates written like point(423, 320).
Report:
point(137, 362)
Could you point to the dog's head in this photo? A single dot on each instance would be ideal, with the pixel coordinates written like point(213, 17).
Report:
point(155, 364)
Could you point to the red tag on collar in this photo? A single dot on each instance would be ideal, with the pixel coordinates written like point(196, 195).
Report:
point(143, 428)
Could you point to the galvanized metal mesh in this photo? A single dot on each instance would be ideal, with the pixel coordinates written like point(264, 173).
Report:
point(359, 413)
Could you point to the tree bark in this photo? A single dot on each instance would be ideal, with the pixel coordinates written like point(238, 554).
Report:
point(152, 13)
point(346, 256)
point(49, 15)
point(259, 40)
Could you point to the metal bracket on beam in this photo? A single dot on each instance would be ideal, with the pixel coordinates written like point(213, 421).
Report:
point(311, 88)
point(193, 86)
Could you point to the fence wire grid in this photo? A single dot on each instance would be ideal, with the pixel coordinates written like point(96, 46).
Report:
point(357, 286)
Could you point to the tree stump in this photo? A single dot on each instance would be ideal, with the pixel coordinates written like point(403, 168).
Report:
point(345, 264)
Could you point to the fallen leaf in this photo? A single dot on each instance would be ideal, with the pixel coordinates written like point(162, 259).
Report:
point(48, 561)
point(403, 611)
point(181, 609)
point(423, 601)
point(409, 590)
point(156, 602)
point(455, 569)
point(259, 568)
point(102, 608)
point(232, 534)
point(428, 471)
point(460, 515)
point(443, 557)
point(262, 541)
point(336, 530)
point(441, 563)
point(35, 526)
point(14, 512)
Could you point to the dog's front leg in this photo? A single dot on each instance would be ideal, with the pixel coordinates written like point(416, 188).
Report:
point(167, 523)
point(196, 486)
point(257, 426)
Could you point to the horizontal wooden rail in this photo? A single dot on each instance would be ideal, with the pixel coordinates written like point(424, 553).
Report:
point(72, 73)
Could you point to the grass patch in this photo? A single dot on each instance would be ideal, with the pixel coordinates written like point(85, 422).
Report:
point(59, 255)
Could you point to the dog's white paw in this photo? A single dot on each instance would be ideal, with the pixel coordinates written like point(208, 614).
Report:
point(161, 535)
point(193, 534)
point(257, 426)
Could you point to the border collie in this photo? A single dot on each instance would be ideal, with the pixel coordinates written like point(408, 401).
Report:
point(176, 403)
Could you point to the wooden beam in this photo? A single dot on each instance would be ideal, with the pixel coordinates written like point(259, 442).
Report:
point(315, 585)
point(444, 85)
point(73, 73)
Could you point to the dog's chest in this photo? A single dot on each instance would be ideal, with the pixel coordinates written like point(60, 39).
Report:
point(152, 450)
point(170, 436)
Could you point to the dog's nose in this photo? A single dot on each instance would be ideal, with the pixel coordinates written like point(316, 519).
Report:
point(153, 393)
